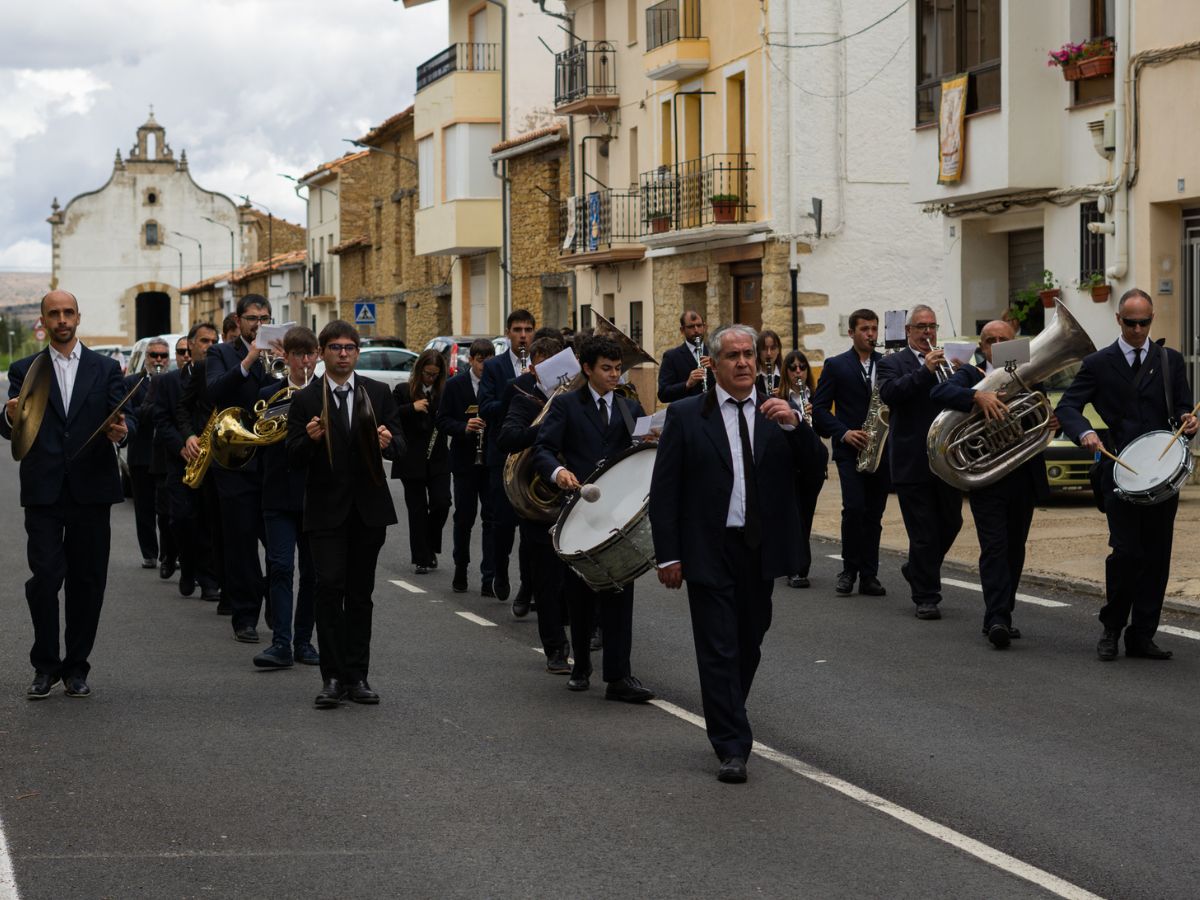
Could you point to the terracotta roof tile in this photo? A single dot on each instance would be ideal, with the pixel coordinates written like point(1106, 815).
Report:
point(385, 125)
point(530, 136)
point(278, 261)
point(334, 164)
point(351, 243)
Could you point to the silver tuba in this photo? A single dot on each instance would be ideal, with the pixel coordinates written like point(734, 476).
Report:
point(968, 451)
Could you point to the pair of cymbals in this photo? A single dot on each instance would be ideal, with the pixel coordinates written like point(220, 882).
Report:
point(31, 405)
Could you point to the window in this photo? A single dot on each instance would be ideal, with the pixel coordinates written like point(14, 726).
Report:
point(636, 321)
point(468, 170)
point(954, 37)
point(585, 317)
point(1100, 88)
point(556, 306)
point(151, 234)
point(425, 173)
point(151, 197)
point(634, 169)
point(1091, 246)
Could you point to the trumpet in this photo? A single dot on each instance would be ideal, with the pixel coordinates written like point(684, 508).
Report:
point(944, 371)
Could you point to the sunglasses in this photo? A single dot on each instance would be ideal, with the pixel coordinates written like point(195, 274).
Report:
point(1136, 323)
point(158, 355)
point(797, 367)
point(182, 351)
point(925, 327)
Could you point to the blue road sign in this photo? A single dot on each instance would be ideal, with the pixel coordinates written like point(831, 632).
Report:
point(364, 313)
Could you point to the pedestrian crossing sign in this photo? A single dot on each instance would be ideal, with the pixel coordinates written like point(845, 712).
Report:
point(364, 313)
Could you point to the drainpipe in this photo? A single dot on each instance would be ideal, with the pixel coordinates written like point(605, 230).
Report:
point(1120, 267)
point(505, 193)
point(790, 125)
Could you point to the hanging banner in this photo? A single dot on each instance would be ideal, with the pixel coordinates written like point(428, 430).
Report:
point(951, 130)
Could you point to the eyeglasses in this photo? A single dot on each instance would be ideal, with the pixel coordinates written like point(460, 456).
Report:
point(262, 320)
point(797, 367)
point(431, 373)
point(927, 326)
point(1136, 323)
point(158, 355)
point(342, 348)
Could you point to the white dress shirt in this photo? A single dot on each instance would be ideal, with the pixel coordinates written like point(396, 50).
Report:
point(1128, 349)
point(474, 382)
point(65, 370)
point(735, 517)
point(333, 386)
point(516, 361)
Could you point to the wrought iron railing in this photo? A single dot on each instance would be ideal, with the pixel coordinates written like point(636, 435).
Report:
point(672, 20)
point(599, 220)
point(710, 190)
point(458, 58)
point(589, 69)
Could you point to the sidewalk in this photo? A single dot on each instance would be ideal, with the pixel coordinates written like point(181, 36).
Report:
point(1068, 542)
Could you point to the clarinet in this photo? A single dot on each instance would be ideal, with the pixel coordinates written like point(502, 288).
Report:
point(699, 342)
point(433, 437)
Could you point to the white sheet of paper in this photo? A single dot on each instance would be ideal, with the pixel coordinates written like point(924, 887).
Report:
point(647, 424)
point(1010, 351)
point(959, 351)
point(561, 368)
point(269, 333)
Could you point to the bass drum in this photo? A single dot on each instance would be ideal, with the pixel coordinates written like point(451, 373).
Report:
point(1157, 479)
point(607, 542)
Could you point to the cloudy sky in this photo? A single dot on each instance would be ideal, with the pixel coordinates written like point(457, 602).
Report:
point(249, 88)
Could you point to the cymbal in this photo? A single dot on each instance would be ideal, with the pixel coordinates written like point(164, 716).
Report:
point(112, 416)
point(369, 437)
point(31, 405)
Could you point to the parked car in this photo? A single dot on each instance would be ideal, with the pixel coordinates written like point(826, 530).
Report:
point(391, 365)
point(1066, 464)
point(382, 342)
point(138, 355)
point(456, 348)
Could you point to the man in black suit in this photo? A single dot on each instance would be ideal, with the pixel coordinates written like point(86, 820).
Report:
point(546, 568)
point(235, 376)
point(192, 413)
point(724, 518)
point(1137, 386)
point(581, 428)
point(498, 373)
point(686, 370)
point(138, 456)
point(347, 505)
point(932, 509)
point(292, 614)
point(1003, 510)
point(458, 416)
point(67, 491)
point(840, 405)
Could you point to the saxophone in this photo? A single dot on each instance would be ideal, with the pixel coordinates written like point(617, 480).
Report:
point(876, 427)
point(193, 474)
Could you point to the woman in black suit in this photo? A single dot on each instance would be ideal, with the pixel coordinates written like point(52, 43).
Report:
point(424, 470)
point(797, 387)
point(768, 349)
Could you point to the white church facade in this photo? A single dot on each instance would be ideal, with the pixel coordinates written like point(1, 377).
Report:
point(127, 248)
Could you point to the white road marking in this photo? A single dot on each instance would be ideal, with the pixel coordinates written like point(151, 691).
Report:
point(1024, 598)
point(478, 620)
point(979, 850)
point(411, 588)
point(1180, 632)
point(8, 880)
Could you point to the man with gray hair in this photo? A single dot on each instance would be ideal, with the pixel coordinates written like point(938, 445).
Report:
point(932, 510)
point(724, 519)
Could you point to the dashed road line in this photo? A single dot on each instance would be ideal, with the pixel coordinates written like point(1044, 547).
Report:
point(1180, 632)
point(8, 880)
point(971, 586)
point(411, 588)
point(478, 620)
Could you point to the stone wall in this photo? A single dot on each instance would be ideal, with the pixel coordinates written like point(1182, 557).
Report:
point(539, 179)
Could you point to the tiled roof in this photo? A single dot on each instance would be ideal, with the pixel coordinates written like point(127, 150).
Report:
point(530, 136)
point(278, 261)
point(334, 164)
point(384, 126)
point(361, 241)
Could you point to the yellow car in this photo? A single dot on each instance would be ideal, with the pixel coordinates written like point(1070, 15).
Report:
point(1066, 464)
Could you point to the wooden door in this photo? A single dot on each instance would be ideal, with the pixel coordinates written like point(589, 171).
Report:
point(747, 300)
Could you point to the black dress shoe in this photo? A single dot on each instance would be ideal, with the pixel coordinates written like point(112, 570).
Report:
point(928, 611)
point(520, 604)
point(798, 581)
point(845, 583)
point(487, 589)
point(556, 663)
point(247, 635)
point(187, 585)
point(149, 563)
point(597, 641)
point(167, 569)
point(732, 771)
point(579, 680)
point(870, 586)
point(502, 589)
point(1014, 633)
point(628, 690)
point(39, 688)
point(1106, 647)
point(998, 636)
point(361, 692)
point(459, 584)
point(332, 694)
point(76, 686)
point(422, 570)
point(1146, 650)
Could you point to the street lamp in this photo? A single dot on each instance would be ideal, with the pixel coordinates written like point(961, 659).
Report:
point(198, 244)
point(232, 254)
point(300, 184)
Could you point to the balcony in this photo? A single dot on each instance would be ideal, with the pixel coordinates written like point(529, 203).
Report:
point(675, 47)
point(585, 78)
point(698, 200)
point(603, 227)
point(458, 58)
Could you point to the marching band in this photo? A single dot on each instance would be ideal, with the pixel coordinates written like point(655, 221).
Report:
point(245, 453)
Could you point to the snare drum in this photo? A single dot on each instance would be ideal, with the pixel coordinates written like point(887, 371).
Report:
point(1156, 479)
point(607, 542)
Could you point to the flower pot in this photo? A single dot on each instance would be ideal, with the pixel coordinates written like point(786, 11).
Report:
point(1095, 67)
point(659, 224)
point(1071, 72)
point(724, 211)
point(1048, 297)
point(1101, 292)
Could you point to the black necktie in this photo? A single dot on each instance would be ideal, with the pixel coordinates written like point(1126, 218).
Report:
point(603, 407)
point(343, 397)
point(1137, 360)
point(753, 528)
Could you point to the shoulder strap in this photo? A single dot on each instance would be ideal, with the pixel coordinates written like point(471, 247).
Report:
point(625, 413)
point(1166, 376)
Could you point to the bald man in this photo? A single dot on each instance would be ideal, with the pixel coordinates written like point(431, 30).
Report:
point(1003, 510)
point(67, 491)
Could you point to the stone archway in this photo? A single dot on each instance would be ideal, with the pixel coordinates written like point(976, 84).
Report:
point(150, 308)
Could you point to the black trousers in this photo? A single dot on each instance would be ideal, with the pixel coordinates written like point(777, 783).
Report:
point(167, 547)
point(1003, 513)
point(547, 572)
point(68, 543)
point(1137, 570)
point(504, 529)
point(616, 619)
point(728, 626)
point(932, 512)
point(144, 514)
point(190, 533)
point(864, 497)
point(428, 503)
point(344, 559)
point(473, 491)
point(241, 532)
point(210, 521)
point(808, 489)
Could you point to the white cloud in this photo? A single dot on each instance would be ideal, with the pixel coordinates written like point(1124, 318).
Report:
point(33, 99)
point(27, 255)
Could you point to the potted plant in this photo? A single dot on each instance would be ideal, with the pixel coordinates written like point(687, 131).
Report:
point(725, 207)
point(1096, 286)
point(1090, 59)
point(660, 220)
point(1067, 57)
point(1048, 290)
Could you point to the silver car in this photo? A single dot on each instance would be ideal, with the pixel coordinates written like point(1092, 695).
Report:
point(391, 365)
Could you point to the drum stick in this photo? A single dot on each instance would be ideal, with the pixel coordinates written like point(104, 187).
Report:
point(1178, 432)
point(1118, 461)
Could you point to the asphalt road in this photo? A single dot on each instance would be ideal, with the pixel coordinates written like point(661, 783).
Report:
point(191, 774)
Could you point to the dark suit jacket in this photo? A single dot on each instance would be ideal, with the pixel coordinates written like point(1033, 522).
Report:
point(226, 386)
point(168, 394)
point(841, 400)
point(498, 374)
point(957, 393)
point(518, 431)
point(451, 419)
point(46, 471)
point(904, 385)
point(139, 449)
point(1106, 381)
point(332, 491)
point(677, 364)
point(417, 461)
point(572, 430)
point(693, 479)
point(282, 483)
point(194, 407)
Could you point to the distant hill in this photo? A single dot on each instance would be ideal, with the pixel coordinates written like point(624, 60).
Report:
point(22, 288)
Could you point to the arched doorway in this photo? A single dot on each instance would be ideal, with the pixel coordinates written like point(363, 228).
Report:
point(152, 314)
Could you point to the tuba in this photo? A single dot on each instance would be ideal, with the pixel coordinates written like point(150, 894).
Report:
point(531, 497)
point(969, 451)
